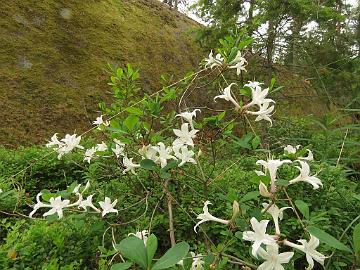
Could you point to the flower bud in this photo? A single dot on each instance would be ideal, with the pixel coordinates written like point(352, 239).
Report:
point(236, 210)
point(263, 190)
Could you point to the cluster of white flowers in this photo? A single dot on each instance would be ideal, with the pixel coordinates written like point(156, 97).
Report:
point(65, 145)
point(99, 122)
point(237, 63)
point(57, 204)
point(260, 238)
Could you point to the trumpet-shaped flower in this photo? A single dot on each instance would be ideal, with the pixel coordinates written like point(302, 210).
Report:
point(88, 203)
point(143, 235)
point(101, 147)
point(263, 113)
point(226, 94)
point(258, 96)
point(119, 148)
point(309, 248)
point(54, 142)
point(254, 85)
point(65, 145)
point(272, 166)
point(148, 152)
point(276, 213)
point(305, 176)
point(289, 149)
point(164, 154)
point(184, 154)
point(206, 216)
point(99, 121)
point(309, 157)
point(273, 260)
point(107, 206)
point(213, 62)
point(239, 63)
point(259, 235)
point(129, 165)
point(56, 205)
point(188, 116)
point(89, 154)
point(185, 137)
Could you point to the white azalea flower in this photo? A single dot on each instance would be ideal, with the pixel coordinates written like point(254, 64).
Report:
point(1, 191)
point(197, 262)
point(65, 145)
point(148, 152)
point(239, 63)
point(263, 113)
point(272, 166)
point(89, 154)
point(276, 213)
point(289, 149)
point(184, 154)
point(56, 205)
point(206, 216)
point(143, 235)
point(99, 121)
point(258, 95)
point(119, 148)
point(129, 165)
point(305, 176)
point(188, 116)
point(213, 62)
point(273, 260)
point(107, 206)
point(309, 248)
point(185, 137)
point(226, 94)
point(101, 147)
point(88, 203)
point(259, 235)
point(163, 154)
point(54, 142)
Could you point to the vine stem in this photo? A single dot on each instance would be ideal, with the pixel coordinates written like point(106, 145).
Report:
point(293, 206)
point(170, 212)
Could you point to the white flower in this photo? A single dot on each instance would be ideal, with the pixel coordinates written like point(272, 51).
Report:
point(89, 154)
point(57, 206)
point(258, 96)
point(263, 113)
point(119, 148)
point(272, 166)
point(291, 149)
point(107, 206)
point(305, 176)
point(309, 248)
point(101, 147)
point(259, 235)
point(88, 203)
point(163, 154)
point(264, 190)
point(273, 260)
point(143, 235)
point(54, 141)
point(185, 137)
point(129, 165)
point(188, 116)
point(65, 145)
point(239, 63)
point(184, 154)
point(197, 262)
point(206, 216)
point(309, 157)
point(99, 121)
point(212, 62)
point(148, 152)
point(226, 94)
point(1, 191)
point(77, 188)
point(276, 213)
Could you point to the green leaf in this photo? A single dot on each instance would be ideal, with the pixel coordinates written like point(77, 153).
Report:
point(232, 54)
point(187, 262)
point(244, 43)
point(272, 83)
point(250, 196)
point(282, 182)
point(255, 142)
point(134, 249)
point(121, 266)
point(356, 238)
point(151, 247)
point(134, 110)
point(170, 165)
point(303, 208)
point(131, 121)
point(147, 164)
point(327, 238)
point(172, 256)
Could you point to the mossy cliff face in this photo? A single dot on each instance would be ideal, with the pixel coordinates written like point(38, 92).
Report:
point(54, 53)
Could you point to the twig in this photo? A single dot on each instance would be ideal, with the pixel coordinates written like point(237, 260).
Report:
point(342, 147)
point(170, 212)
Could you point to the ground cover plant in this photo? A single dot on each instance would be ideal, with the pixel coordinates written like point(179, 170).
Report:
point(157, 183)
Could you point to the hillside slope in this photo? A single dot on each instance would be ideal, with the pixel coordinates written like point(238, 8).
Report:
point(54, 53)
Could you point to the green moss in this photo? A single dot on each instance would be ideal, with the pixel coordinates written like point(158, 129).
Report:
point(54, 55)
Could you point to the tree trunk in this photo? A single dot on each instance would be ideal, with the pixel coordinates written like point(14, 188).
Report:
point(294, 43)
point(270, 42)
